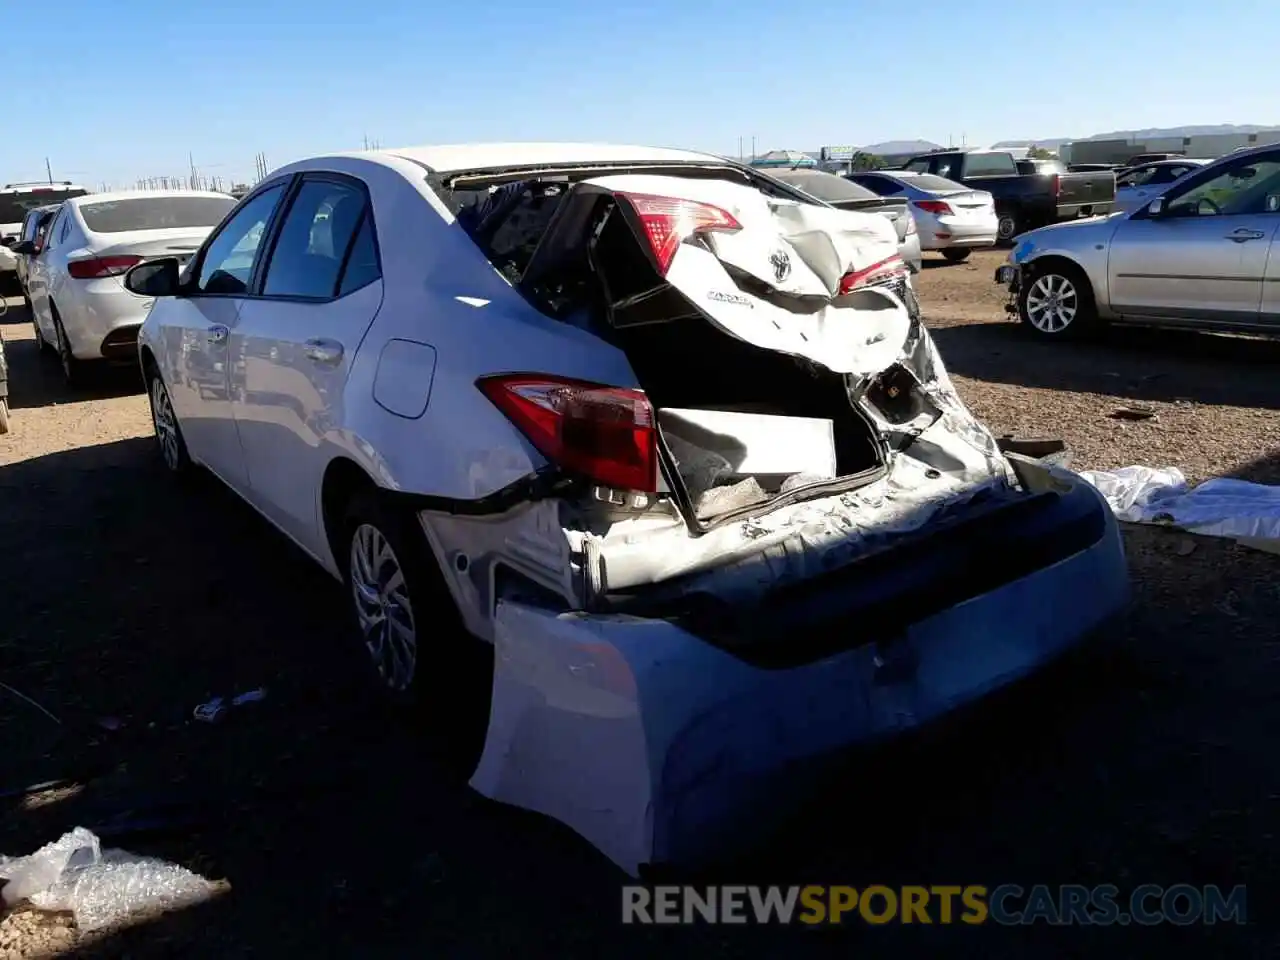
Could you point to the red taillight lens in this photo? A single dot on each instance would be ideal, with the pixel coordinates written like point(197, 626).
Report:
point(886, 269)
point(1055, 186)
point(607, 434)
point(669, 221)
point(939, 207)
point(96, 267)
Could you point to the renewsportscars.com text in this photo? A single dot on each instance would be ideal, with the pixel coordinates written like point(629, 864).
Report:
point(1007, 905)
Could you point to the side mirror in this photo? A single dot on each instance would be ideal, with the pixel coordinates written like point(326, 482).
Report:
point(1156, 207)
point(8, 241)
point(154, 278)
point(26, 248)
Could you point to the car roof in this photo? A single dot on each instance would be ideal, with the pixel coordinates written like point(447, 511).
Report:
point(452, 158)
point(92, 198)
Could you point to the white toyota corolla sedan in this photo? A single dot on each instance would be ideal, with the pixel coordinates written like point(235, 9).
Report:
point(644, 478)
point(75, 277)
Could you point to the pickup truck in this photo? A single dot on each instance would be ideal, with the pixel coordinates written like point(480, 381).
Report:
point(1023, 201)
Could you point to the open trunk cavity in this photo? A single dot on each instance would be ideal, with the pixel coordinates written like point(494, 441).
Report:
point(795, 389)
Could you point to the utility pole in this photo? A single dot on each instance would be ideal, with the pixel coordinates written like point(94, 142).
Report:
point(753, 147)
point(739, 149)
point(48, 170)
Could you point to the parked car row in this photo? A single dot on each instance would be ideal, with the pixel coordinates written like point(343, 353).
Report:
point(642, 475)
point(1202, 252)
point(71, 258)
point(1046, 193)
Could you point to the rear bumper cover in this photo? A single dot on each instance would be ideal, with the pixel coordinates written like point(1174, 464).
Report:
point(660, 747)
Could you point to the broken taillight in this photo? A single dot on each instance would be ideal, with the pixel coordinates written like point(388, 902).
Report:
point(887, 269)
point(669, 221)
point(606, 434)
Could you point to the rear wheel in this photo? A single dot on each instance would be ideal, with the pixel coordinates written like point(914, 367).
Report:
point(4, 415)
point(1056, 301)
point(1007, 227)
point(420, 653)
point(956, 256)
point(72, 368)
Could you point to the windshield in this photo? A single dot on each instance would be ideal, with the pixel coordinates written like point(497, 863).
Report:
point(154, 213)
point(14, 206)
point(826, 187)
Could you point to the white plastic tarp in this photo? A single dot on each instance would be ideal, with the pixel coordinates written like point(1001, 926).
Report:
point(1221, 507)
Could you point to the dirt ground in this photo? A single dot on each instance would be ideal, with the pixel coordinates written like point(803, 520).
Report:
point(128, 601)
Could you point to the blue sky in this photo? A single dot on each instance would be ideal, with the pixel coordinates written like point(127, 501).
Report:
point(122, 89)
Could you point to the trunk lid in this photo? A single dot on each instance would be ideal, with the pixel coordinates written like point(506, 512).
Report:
point(180, 242)
point(894, 209)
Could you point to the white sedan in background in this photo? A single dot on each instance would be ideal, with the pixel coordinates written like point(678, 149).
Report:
point(951, 218)
point(75, 281)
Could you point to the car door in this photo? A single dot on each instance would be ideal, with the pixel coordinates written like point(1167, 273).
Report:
point(196, 328)
point(294, 342)
point(1204, 258)
point(38, 276)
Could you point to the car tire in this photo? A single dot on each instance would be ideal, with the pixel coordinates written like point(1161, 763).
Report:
point(1008, 226)
point(4, 415)
point(956, 256)
point(72, 368)
point(399, 602)
point(168, 431)
point(1055, 301)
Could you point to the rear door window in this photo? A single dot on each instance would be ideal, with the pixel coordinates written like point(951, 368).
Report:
point(309, 253)
point(987, 165)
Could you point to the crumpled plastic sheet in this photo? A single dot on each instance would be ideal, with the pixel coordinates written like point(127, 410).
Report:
point(1219, 508)
point(98, 887)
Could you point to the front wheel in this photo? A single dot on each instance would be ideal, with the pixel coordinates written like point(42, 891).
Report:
point(421, 654)
point(1057, 301)
point(956, 256)
point(169, 440)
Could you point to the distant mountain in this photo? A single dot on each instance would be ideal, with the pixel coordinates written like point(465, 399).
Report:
point(894, 147)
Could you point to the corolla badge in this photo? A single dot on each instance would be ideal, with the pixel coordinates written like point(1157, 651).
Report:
point(781, 264)
point(730, 298)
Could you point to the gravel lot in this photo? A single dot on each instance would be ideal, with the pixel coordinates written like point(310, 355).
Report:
point(128, 602)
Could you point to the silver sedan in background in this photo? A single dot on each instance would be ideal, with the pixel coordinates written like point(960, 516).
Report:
point(1203, 254)
point(952, 218)
point(1137, 186)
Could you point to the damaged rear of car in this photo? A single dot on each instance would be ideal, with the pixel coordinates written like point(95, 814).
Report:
point(770, 530)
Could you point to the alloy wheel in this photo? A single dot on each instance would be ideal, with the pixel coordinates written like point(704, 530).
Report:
point(383, 608)
point(1052, 303)
point(166, 424)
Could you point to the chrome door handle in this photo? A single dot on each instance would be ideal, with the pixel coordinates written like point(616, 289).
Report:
point(323, 351)
point(1243, 234)
point(218, 334)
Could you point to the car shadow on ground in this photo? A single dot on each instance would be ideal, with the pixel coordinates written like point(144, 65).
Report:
point(36, 378)
point(136, 599)
point(1139, 364)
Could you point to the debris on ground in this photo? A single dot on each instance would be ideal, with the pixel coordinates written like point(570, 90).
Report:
point(1133, 413)
point(213, 710)
point(1223, 507)
point(98, 888)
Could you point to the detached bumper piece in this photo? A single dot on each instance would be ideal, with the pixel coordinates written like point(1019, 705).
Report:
point(669, 742)
point(121, 345)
